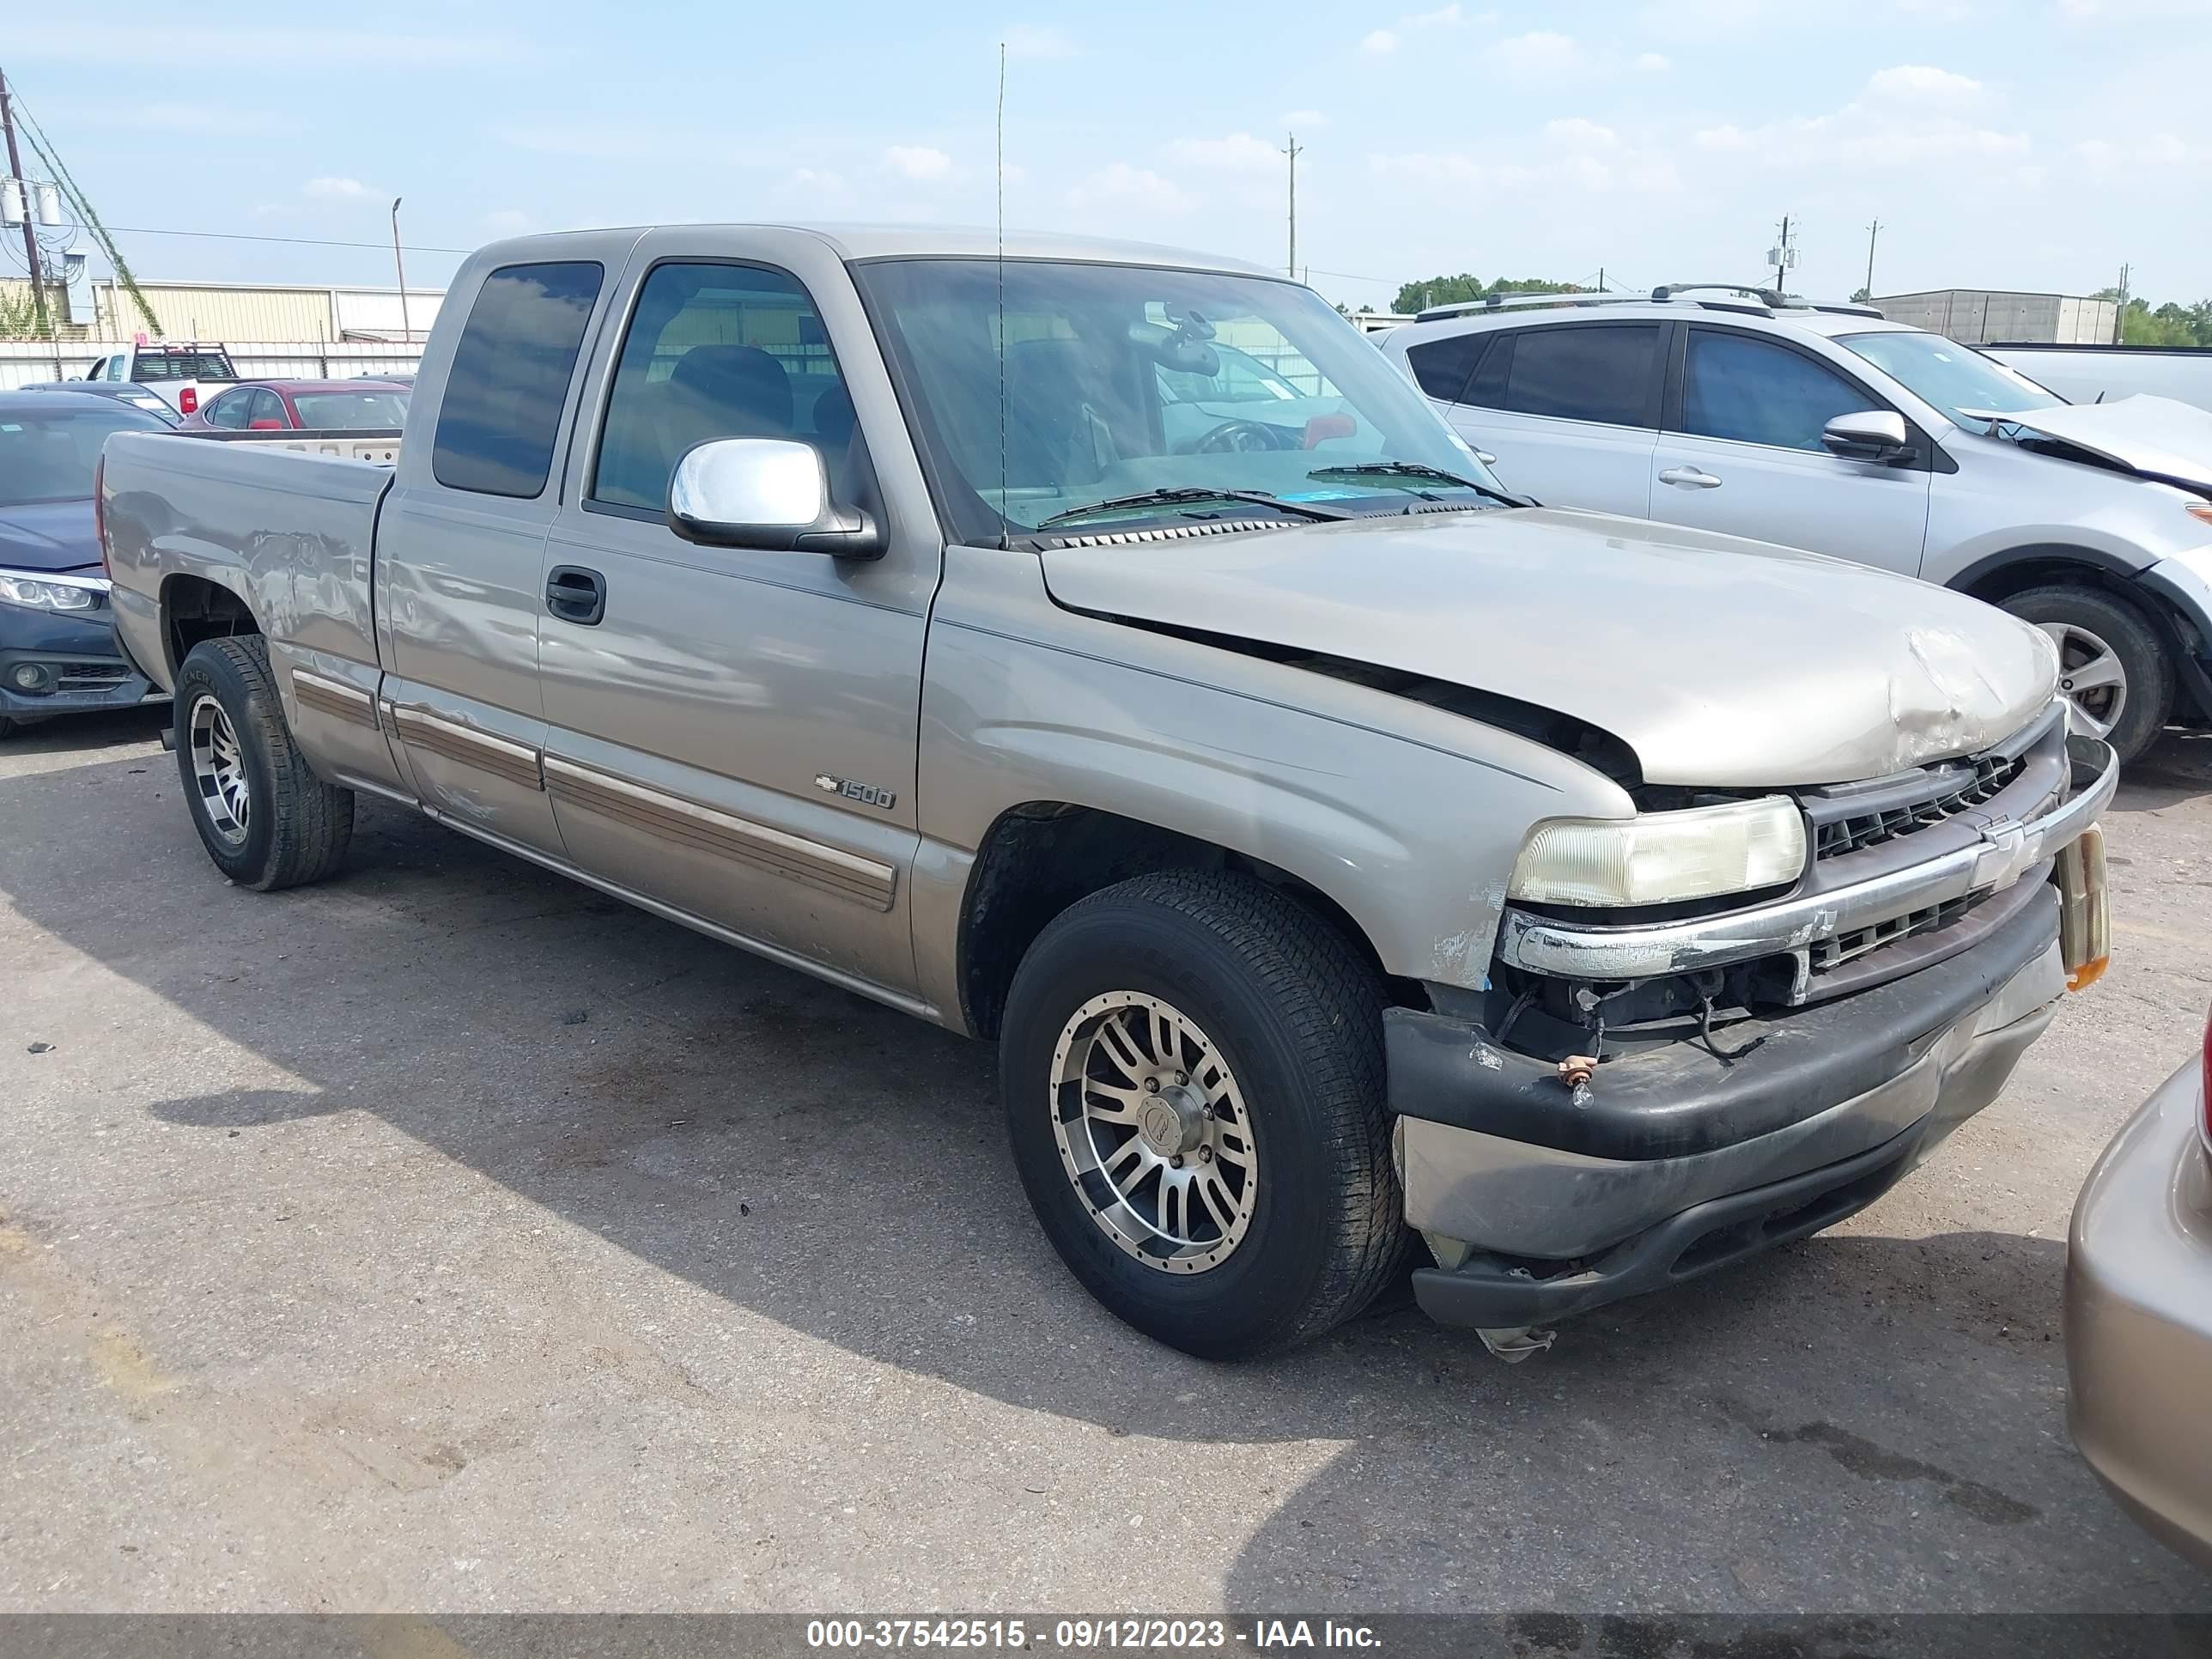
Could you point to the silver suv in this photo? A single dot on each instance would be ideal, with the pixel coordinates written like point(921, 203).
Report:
point(1825, 427)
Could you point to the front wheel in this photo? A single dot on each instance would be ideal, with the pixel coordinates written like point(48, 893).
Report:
point(2112, 666)
point(1192, 1070)
point(263, 816)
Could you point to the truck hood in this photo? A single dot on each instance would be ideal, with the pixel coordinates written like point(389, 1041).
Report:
point(48, 535)
point(1721, 662)
point(2159, 437)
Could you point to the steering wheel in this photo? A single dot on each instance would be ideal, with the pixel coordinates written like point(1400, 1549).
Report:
point(1241, 437)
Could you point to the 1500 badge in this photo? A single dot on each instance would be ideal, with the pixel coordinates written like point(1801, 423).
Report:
point(867, 793)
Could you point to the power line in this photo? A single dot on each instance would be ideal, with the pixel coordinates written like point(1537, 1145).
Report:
point(296, 241)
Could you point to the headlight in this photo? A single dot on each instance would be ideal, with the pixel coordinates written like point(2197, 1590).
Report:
point(42, 595)
point(1663, 856)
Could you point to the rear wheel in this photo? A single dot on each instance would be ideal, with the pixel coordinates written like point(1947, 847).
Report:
point(2112, 666)
point(263, 816)
point(1192, 1071)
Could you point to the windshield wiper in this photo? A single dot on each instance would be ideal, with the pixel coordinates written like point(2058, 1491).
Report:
point(1415, 470)
point(1178, 497)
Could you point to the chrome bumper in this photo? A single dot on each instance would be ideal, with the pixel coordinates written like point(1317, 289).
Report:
point(2004, 852)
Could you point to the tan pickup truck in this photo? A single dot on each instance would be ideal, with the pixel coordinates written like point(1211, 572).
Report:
point(1106, 651)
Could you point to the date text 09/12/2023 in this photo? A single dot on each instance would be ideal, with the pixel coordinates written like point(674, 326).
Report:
point(1189, 1635)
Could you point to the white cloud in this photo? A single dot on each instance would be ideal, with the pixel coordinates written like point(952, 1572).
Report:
point(1034, 41)
point(1138, 185)
point(1572, 155)
point(812, 183)
point(339, 189)
point(1305, 118)
point(1413, 22)
point(918, 161)
point(1240, 152)
point(1545, 56)
point(1918, 83)
point(507, 221)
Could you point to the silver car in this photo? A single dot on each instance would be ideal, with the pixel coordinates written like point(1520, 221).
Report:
point(2139, 1312)
point(1827, 428)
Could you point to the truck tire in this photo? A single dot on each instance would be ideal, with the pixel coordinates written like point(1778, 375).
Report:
point(1191, 1065)
point(2106, 643)
point(266, 818)
point(7, 726)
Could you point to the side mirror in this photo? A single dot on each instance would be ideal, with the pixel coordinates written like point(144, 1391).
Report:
point(766, 493)
point(1873, 435)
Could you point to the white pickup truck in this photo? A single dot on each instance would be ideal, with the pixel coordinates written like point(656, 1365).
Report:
point(180, 373)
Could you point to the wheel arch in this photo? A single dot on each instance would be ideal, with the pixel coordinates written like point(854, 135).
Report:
point(1998, 576)
point(1041, 856)
point(200, 607)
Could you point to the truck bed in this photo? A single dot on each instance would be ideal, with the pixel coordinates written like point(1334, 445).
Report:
point(284, 520)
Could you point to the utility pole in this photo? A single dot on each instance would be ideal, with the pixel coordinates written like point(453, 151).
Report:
point(2120, 311)
point(1293, 150)
point(1873, 231)
point(1782, 257)
point(406, 328)
point(30, 214)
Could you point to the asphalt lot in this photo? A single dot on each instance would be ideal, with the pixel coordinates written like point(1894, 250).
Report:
point(450, 1238)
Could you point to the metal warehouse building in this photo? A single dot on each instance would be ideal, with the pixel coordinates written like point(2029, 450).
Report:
point(1977, 316)
point(100, 309)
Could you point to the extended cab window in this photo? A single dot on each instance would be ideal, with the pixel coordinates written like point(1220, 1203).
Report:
point(502, 411)
point(1756, 393)
point(717, 351)
point(1441, 368)
point(1584, 372)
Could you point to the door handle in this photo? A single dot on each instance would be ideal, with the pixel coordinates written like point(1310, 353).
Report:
point(1689, 477)
point(576, 595)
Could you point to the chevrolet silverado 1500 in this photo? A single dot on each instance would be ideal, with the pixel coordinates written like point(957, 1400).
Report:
point(1349, 858)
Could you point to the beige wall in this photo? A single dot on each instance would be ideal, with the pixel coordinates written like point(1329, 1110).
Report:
point(188, 313)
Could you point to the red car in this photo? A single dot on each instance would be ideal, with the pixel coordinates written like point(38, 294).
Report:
point(305, 406)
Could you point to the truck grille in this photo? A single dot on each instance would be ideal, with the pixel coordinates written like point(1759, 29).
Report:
point(1990, 774)
point(1846, 947)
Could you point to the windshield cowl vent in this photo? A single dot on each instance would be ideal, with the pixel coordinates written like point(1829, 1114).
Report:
point(1169, 532)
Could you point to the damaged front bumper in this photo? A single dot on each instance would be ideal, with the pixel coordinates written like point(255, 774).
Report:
point(1541, 1198)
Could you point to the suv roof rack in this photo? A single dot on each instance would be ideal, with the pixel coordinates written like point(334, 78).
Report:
point(1747, 297)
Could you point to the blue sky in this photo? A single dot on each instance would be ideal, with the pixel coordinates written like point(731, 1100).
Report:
point(2035, 145)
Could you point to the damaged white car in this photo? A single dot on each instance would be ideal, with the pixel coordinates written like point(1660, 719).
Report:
point(1825, 427)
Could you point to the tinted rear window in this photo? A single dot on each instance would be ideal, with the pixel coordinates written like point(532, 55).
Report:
point(157, 365)
point(1600, 373)
point(502, 411)
point(1441, 367)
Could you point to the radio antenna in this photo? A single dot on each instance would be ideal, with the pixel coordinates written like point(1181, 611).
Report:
point(1006, 524)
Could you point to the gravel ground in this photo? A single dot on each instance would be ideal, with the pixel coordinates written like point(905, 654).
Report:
point(451, 1238)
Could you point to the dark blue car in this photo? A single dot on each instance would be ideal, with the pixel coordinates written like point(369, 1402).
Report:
point(58, 650)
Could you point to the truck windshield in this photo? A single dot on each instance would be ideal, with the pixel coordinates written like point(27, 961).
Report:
point(1951, 377)
point(1128, 381)
point(49, 458)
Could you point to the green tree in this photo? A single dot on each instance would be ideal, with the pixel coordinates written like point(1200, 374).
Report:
point(1456, 290)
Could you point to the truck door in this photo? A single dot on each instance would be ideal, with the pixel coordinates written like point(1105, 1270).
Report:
point(459, 548)
point(732, 732)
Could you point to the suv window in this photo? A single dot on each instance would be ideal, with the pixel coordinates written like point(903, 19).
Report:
point(502, 411)
point(1441, 368)
point(717, 351)
point(1758, 392)
point(1586, 372)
